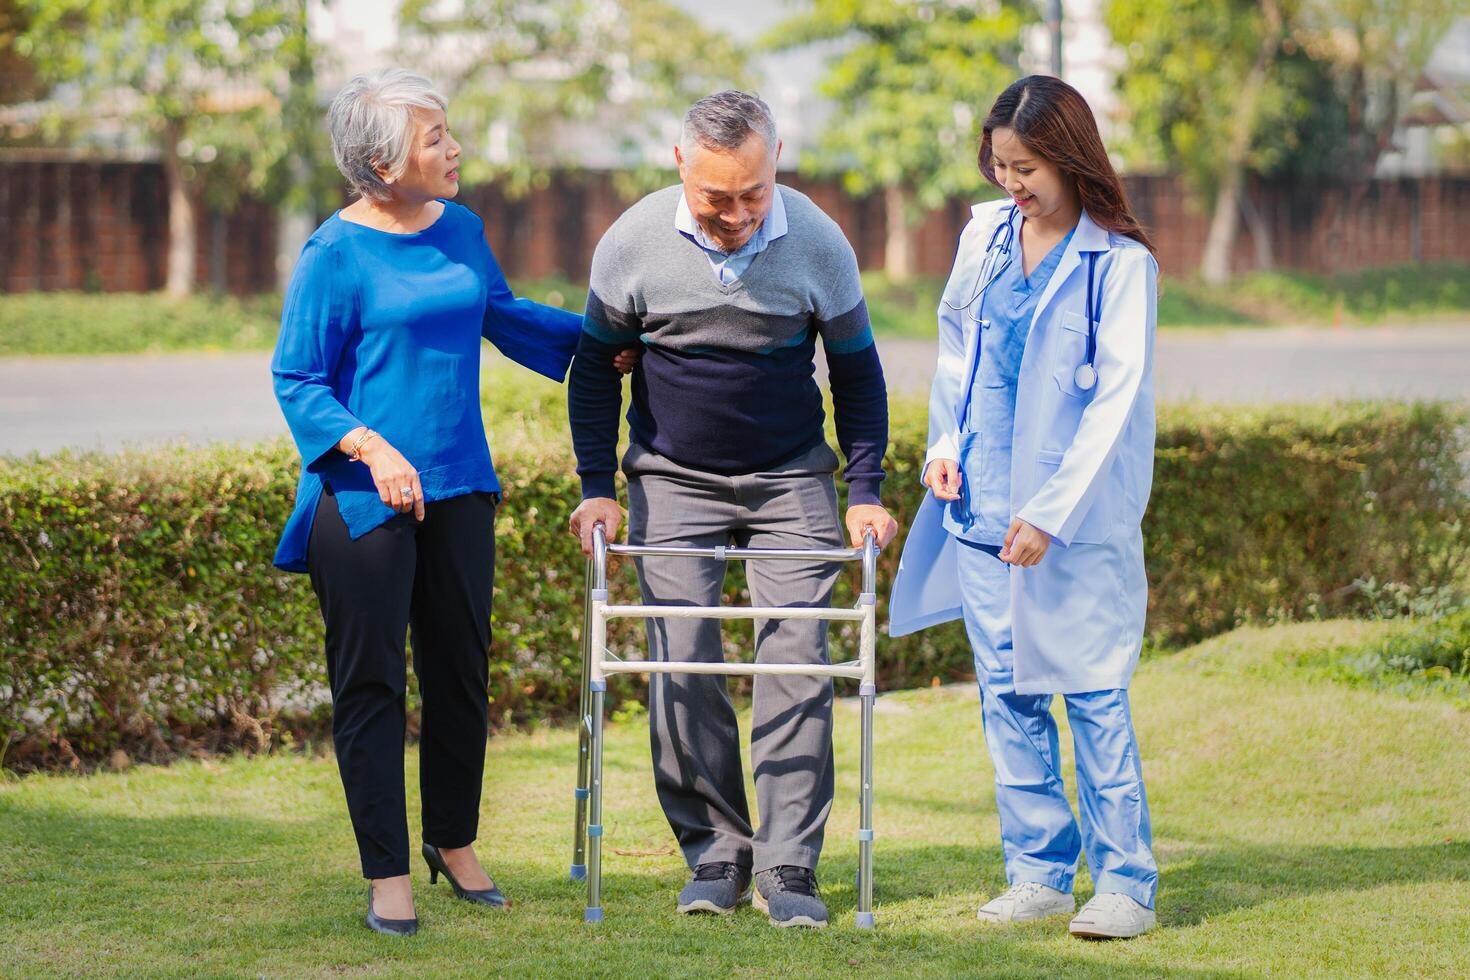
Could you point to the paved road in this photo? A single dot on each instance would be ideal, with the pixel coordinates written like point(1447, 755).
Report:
point(47, 403)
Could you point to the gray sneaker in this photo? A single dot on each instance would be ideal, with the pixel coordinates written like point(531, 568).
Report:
point(789, 896)
point(716, 887)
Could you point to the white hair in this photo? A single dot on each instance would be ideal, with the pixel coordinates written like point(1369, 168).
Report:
point(725, 120)
point(372, 126)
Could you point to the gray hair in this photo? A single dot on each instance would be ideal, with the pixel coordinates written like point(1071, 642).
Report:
point(725, 120)
point(372, 126)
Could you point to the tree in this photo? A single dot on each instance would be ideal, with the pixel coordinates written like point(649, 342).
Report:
point(1220, 89)
point(912, 83)
point(1378, 50)
point(18, 81)
point(199, 77)
point(534, 85)
point(1201, 87)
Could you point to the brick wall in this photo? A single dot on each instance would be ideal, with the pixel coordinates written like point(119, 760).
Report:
point(104, 226)
point(1314, 228)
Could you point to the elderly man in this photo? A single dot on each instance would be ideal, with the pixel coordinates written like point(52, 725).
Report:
point(727, 281)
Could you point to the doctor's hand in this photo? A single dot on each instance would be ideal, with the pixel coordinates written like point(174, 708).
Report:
point(943, 477)
point(1025, 545)
point(863, 516)
point(591, 511)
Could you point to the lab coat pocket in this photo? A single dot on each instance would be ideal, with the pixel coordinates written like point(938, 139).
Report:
point(1097, 526)
point(1070, 353)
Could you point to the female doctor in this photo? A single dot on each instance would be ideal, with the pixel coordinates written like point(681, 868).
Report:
point(1040, 461)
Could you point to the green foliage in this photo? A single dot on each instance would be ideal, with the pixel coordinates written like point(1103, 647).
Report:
point(1288, 510)
point(207, 74)
point(536, 78)
point(112, 323)
point(1438, 645)
point(18, 81)
point(1400, 292)
point(1428, 655)
point(138, 606)
point(1335, 86)
point(1188, 63)
point(1424, 654)
point(911, 83)
point(1376, 51)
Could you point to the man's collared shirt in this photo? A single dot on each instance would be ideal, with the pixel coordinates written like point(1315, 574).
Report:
point(730, 266)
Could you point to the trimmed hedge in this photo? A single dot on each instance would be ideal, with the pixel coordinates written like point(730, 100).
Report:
point(139, 610)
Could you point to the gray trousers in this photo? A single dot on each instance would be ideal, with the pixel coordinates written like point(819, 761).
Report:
point(696, 746)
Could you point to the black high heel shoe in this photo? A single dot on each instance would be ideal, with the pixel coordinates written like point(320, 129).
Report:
point(389, 927)
point(491, 896)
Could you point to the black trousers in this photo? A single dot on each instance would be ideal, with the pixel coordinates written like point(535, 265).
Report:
point(435, 578)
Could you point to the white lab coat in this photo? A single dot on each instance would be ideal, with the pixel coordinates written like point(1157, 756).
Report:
point(1081, 464)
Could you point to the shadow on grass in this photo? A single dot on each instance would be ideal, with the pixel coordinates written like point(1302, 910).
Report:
point(1196, 883)
point(1209, 881)
point(284, 892)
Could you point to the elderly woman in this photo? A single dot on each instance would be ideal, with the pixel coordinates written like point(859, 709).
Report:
point(378, 373)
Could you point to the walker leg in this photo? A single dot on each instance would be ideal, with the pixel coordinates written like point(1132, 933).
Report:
point(865, 821)
point(594, 829)
point(584, 735)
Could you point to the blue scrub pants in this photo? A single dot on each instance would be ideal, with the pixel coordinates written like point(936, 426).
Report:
point(1039, 836)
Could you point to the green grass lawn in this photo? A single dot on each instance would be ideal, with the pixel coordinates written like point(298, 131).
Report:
point(1304, 828)
point(116, 323)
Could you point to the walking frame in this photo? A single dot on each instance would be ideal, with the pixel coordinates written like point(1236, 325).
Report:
point(598, 662)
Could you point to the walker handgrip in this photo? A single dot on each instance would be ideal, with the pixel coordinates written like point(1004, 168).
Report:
point(870, 558)
point(599, 547)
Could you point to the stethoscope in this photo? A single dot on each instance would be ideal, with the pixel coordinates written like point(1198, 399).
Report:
point(1085, 377)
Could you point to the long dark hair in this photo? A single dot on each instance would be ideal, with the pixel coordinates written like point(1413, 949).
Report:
point(1054, 120)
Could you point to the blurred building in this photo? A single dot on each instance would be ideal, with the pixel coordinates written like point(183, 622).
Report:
point(1435, 133)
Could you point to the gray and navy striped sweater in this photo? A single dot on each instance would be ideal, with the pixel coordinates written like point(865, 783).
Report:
point(726, 381)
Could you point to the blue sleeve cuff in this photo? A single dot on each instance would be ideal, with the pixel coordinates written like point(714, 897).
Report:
point(599, 485)
point(864, 491)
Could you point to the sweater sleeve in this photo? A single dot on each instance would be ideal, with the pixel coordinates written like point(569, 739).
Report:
point(595, 389)
point(859, 394)
point(859, 401)
point(534, 335)
point(317, 319)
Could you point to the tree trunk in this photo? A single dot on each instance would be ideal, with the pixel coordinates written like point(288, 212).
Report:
point(900, 247)
point(183, 231)
point(1225, 222)
point(296, 215)
point(1260, 232)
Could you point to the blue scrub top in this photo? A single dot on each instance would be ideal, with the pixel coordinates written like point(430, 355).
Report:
point(982, 515)
point(384, 330)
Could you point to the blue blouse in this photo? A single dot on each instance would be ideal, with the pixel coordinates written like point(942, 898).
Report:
point(982, 515)
point(383, 330)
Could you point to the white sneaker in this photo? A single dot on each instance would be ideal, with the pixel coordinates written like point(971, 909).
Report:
point(1110, 915)
point(1026, 901)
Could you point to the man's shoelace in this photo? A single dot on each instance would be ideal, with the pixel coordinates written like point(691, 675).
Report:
point(798, 881)
point(717, 871)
